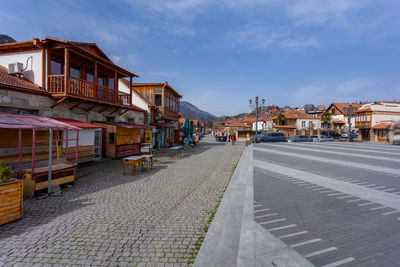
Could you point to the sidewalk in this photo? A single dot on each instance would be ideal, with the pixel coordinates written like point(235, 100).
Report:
point(154, 218)
point(234, 238)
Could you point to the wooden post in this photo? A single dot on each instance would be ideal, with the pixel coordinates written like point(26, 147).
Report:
point(44, 68)
point(130, 89)
point(48, 68)
point(66, 70)
point(95, 80)
point(115, 87)
point(162, 99)
point(20, 152)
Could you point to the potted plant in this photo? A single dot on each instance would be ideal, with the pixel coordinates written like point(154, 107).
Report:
point(11, 191)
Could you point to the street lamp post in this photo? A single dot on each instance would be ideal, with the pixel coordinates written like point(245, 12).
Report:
point(349, 110)
point(256, 108)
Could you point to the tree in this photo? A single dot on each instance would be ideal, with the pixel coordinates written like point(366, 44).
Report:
point(280, 118)
point(309, 107)
point(325, 118)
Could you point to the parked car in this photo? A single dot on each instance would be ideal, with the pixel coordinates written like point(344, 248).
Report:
point(321, 138)
point(257, 138)
point(353, 135)
point(272, 137)
point(331, 133)
point(299, 138)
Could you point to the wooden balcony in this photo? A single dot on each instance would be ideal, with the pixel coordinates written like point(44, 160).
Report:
point(363, 124)
point(85, 90)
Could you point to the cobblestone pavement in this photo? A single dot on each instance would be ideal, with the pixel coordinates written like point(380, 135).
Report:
point(154, 218)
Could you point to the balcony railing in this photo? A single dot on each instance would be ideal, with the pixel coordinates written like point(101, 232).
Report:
point(85, 89)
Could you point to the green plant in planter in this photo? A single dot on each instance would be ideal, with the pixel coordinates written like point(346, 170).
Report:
point(5, 172)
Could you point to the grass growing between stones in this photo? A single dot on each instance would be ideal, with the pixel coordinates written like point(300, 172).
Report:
point(211, 214)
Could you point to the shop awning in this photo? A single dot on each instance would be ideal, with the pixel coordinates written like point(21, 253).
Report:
point(161, 125)
point(24, 121)
point(126, 124)
point(77, 123)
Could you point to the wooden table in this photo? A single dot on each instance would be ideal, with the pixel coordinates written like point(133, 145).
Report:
point(176, 150)
point(148, 159)
point(132, 160)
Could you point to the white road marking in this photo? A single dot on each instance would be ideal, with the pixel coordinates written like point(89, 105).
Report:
point(340, 262)
point(355, 200)
point(361, 183)
point(369, 194)
point(326, 191)
point(260, 210)
point(394, 159)
point(255, 206)
point(387, 190)
point(331, 161)
point(293, 234)
point(335, 194)
point(378, 208)
point(361, 150)
point(391, 212)
point(319, 252)
point(322, 188)
point(379, 187)
point(344, 197)
point(273, 221)
point(369, 185)
point(365, 204)
point(281, 227)
point(305, 242)
point(266, 215)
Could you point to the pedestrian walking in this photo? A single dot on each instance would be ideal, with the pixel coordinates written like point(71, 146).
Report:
point(233, 139)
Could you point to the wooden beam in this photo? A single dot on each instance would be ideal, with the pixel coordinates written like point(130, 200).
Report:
point(115, 111)
point(95, 79)
point(66, 69)
point(115, 87)
point(77, 104)
point(43, 68)
point(130, 89)
point(124, 112)
point(104, 109)
point(59, 102)
point(48, 67)
point(92, 107)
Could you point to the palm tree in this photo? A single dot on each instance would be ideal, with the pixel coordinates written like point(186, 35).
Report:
point(325, 118)
point(280, 118)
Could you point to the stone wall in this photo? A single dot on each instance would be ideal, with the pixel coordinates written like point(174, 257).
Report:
point(41, 105)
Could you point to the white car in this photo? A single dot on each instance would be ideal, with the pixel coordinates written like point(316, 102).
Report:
point(322, 138)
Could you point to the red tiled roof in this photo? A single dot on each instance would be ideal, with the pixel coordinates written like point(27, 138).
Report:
point(236, 124)
point(14, 81)
point(24, 121)
point(285, 126)
point(341, 106)
point(295, 114)
point(382, 126)
point(124, 124)
point(250, 119)
point(364, 110)
point(76, 123)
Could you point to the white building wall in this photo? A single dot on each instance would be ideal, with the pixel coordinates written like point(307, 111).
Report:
point(136, 100)
point(260, 126)
point(33, 71)
point(86, 138)
point(316, 123)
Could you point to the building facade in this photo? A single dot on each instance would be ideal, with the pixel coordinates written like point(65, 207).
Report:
point(374, 121)
point(340, 116)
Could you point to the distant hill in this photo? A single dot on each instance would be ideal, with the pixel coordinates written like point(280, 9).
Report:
point(190, 111)
point(5, 39)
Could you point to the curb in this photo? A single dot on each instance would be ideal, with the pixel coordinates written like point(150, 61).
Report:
point(234, 238)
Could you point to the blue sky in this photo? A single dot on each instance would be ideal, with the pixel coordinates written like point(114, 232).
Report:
point(218, 54)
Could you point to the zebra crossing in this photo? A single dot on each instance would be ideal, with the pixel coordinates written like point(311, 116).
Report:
point(333, 211)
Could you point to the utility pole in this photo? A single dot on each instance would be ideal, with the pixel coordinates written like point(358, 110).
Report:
point(349, 112)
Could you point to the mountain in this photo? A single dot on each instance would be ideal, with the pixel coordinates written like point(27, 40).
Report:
point(5, 39)
point(190, 111)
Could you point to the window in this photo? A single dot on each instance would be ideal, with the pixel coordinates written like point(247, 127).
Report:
point(102, 80)
point(89, 76)
point(110, 119)
point(56, 65)
point(131, 121)
point(333, 111)
point(303, 124)
point(158, 96)
point(111, 138)
point(157, 100)
point(75, 71)
point(111, 83)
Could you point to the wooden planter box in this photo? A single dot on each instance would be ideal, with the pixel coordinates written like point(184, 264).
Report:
point(11, 201)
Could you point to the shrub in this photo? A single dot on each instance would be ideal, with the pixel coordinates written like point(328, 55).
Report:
point(5, 172)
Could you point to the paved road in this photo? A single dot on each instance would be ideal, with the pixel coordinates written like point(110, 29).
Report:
point(154, 218)
point(337, 204)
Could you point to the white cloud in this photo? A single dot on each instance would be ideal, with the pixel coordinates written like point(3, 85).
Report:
point(354, 90)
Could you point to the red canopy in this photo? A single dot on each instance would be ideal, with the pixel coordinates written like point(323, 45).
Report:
point(76, 123)
point(24, 121)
